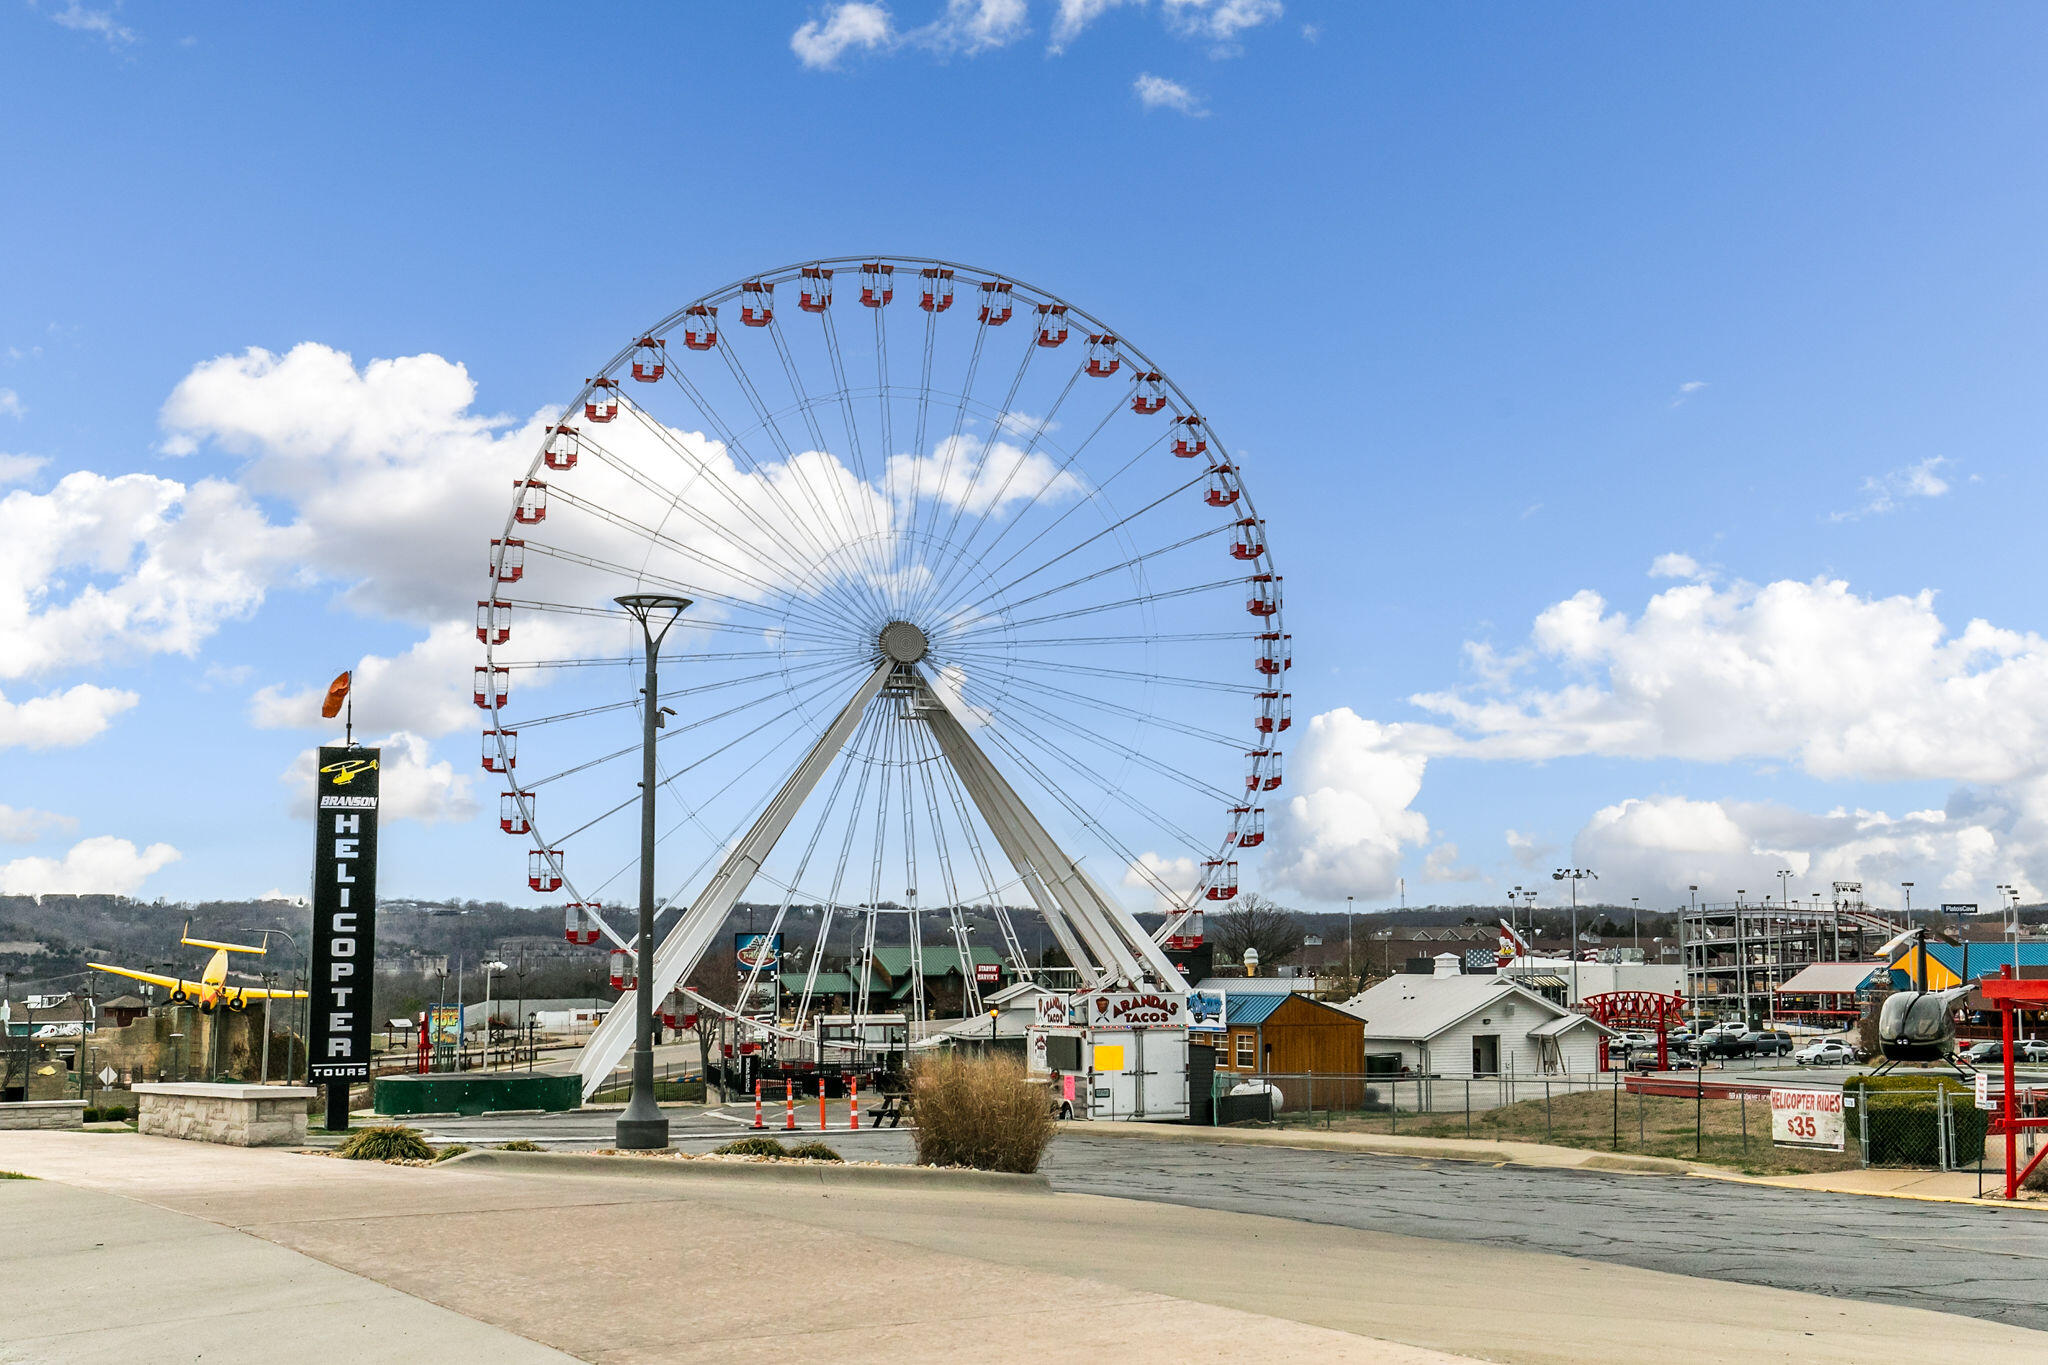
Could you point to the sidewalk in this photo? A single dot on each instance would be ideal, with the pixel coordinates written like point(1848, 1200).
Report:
point(1948, 1187)
point(547, 1253)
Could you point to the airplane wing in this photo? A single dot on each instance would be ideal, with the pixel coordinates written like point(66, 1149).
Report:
point(167, 982)
point(253, 993)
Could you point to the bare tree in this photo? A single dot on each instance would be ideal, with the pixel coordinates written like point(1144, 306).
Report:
point(1255, 921)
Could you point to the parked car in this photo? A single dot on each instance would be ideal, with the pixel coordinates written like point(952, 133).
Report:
point(1827, 1052)
point(1991, 1050)
point(1724, 1045)
point(1768, 1043)
point(1733, 1027)
point(1629, 1043)
point(2033, 1050)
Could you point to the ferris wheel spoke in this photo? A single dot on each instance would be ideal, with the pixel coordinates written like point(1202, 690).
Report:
point(1097, 703)
point(1061, 796)
point(738, 450)
point(688, 551)
point(723, 627)
point(799, 475)
point(1055, 523)
point(1136, 755)
point(816, 576)
point(993, 893)
point(1059, 666)
point(804, 404)
point(797, 610)
point(1143, 599)
point(1001, 418)
point(1016, 467)
point(1022, 513)
point(1064, 758)
point(844, 393)
point(1129, 563)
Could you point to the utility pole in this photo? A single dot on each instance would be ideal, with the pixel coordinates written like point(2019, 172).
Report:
point(1574, 875)
point(641, 1126)
point(1636, 911)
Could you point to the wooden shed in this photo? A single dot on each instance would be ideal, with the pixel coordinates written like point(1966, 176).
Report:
point(1284, 1033)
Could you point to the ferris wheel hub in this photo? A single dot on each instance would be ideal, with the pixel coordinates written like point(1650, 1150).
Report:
point(903, 643)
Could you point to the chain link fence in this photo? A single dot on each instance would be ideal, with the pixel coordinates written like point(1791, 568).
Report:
point(1698, 1118)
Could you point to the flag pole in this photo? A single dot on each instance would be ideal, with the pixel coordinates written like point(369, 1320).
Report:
point(348, 720)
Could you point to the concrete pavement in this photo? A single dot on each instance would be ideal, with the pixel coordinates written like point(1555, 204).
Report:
point(752, 1270)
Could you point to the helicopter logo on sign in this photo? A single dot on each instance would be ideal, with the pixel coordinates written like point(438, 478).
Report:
point(342, 773)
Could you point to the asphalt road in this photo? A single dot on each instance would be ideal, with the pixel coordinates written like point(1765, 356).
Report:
point(1985, 1263)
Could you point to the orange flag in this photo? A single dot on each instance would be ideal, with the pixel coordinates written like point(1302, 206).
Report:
point(336, 692)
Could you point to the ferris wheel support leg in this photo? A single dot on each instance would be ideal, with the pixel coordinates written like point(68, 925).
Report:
point(1125, 946)
point(680, 952)
point(963, 756)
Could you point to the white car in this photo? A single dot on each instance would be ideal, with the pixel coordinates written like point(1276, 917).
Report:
point(1827, 1052)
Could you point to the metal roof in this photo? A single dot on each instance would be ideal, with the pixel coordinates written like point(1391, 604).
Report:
point(1252, 1009)
point(1830, 978)
point(1417, 1008)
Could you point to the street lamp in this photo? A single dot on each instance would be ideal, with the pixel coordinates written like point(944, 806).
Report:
point(1574, 875)
point(641, 1127)
point(490, 969)
point(1347, 940)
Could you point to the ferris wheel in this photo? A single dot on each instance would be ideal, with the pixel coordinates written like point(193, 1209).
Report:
point(983, 625)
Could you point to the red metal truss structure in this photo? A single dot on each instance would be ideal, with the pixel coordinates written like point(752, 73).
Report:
point(1637, 1009)
point(2009, 995)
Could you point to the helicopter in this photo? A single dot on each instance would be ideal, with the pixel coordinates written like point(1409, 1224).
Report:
point(1918, 1025)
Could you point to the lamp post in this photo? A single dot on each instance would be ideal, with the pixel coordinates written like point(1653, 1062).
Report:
point(1636, 914)
point(1574, 875)
point(490, 968)
point(1347, 940)
point(641, 1127)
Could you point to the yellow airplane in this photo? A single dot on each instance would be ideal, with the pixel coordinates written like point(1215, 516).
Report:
point(211, 990)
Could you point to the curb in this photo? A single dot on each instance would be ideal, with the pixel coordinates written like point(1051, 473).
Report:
point(772, 1173)
point(1764, 1182)
point(1525, 1154)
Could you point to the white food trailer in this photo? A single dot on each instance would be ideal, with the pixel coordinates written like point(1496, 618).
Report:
point(1113, 1054)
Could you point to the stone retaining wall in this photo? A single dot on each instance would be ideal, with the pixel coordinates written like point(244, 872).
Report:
point(234, 1115)
point(43, 1114)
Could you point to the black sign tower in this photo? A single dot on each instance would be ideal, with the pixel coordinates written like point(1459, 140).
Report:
point(344, 924)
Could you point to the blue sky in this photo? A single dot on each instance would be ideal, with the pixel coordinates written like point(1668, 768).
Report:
point(1498, 309)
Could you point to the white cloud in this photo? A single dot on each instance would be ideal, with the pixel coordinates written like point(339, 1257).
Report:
point(98, 22)
point(1178, 874)
point(1219, 21)
point(1074, 15)
point(10, 404)
point(1344, 833)
point(22, 825)
point(1157, 92)
point(972, 26)
point(1526, 850)
point(1875, 689)
point(819, 44)
point(60, 720)
point(112, 568)
point(19, 468)
point(411, 784)
point(1884, 493)
point(1675, 565)
point(979, 476)
point(100, 865)
point(1668, 843)
point(426, 690)
point(1442, 866)
point(1687, 390)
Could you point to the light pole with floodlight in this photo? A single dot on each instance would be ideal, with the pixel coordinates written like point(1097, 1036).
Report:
point(1574, 875)
point(642, 1127)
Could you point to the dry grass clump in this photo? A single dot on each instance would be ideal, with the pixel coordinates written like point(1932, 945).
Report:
point(385, 1143)
point(982, 1112)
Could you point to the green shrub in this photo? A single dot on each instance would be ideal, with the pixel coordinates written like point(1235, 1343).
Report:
point(452, 1149)
point(1903, 1118)
point(14, 1175)
point(521, 1145)
point(91, 1115)
point(386, 1142)
point(752, 1146)
point(814, 1151)
point(114, 1113)
point(983, 1112)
